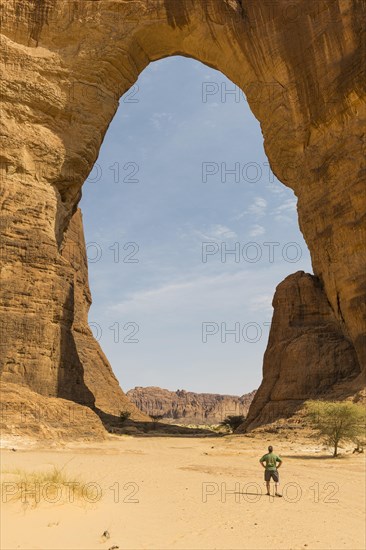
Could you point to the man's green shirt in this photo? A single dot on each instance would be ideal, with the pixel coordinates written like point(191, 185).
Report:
point(271, 460)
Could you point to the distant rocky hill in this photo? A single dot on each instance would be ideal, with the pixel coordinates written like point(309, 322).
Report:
point(187, 407)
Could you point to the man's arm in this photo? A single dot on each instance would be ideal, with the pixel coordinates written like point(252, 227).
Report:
point(279, 460)
point(261, 460)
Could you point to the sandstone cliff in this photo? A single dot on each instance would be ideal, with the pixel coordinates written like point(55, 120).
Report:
point(307, 355)
point(64, 67)
point(94, 370)
point(26, 416)
point(188, 407)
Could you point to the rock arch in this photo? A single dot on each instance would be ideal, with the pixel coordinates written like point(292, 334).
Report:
point(66, 64)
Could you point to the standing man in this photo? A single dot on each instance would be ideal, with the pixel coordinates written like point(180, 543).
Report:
point(271, 469)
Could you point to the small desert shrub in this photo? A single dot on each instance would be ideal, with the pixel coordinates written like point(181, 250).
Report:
point(336, 421)
point(218, 428)
point(33, 487)
point(157, 417)
point(233, 421)
point(123, 416)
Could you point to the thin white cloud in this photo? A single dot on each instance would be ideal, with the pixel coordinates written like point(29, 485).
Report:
point(158, 119)
point(216, 232)
point(288, 206)
point(256, 230)
point(259, 206)
point(257, 209)
point(180, 293)
point(286, 212)
point(276, 187)
point(261, 303)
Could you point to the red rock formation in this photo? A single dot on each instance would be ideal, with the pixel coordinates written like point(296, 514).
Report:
point(27, 415)
point(88, 368)
point(65, 66)
point(188, 407)
point(307, 355)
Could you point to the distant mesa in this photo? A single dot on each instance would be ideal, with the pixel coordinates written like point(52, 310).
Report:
point(185, 407)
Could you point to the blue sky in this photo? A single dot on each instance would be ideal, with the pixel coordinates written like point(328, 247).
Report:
point(181, 180)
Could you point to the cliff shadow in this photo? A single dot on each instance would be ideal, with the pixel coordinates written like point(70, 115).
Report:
point(70, 374)
point(114, 425)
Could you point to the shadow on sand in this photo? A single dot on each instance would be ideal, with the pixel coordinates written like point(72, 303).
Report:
point(114, 425)
point(314, 457)
point(252, 494)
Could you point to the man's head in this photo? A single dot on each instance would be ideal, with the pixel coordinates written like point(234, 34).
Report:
point(270, 448)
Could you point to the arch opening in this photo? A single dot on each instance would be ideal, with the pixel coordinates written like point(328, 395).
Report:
point(188, 233)
point(87, 54)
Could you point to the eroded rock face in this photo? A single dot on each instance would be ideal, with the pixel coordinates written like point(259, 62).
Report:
point(186, 407)
point(66, 64)
point(91, 365)
point(27, 416)
point(307, 355)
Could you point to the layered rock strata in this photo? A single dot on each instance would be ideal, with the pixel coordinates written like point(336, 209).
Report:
point(65, 66)
point(184, 407)
point(307, 355)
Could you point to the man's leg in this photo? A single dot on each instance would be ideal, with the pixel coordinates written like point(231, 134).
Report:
point(276, 479)
point(267, 479)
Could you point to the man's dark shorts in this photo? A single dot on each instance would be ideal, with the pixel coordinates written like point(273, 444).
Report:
point(268, 474)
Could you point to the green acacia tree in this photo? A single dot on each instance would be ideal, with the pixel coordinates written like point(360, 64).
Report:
point(233, 421)
point(336, 421)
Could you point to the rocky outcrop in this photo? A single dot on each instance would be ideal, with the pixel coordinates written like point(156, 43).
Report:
point(27, 416)
point(94, 369)
point(184, 407)
point(307, 355)
point(65, 66)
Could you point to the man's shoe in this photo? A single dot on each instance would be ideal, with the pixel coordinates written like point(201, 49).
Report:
point(278, 495)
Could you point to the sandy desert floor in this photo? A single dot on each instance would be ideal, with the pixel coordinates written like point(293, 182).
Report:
point(187, 493)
